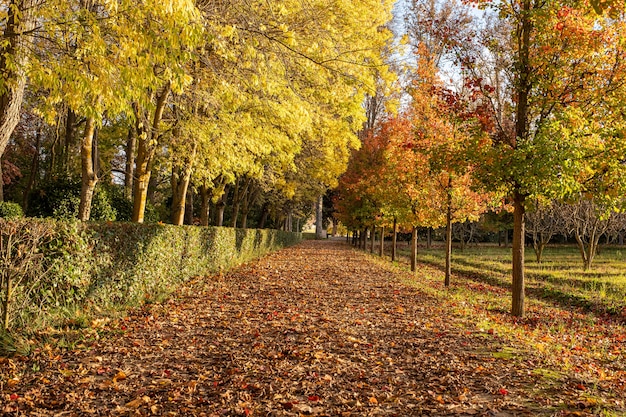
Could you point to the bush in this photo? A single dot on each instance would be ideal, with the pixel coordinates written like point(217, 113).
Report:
point(68, 266)
point(60, 199)
point(9, 210)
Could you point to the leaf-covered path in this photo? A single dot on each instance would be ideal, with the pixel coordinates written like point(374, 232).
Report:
point(316, 329)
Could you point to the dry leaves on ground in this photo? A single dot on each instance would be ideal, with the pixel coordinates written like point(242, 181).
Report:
point(316, 329)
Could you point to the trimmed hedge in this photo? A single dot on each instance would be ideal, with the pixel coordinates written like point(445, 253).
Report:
point(61, 267)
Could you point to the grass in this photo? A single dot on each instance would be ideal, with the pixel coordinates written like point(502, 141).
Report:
point(559, 277)
point(574, 332)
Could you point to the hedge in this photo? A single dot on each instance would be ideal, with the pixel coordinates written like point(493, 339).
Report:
point(56, 268)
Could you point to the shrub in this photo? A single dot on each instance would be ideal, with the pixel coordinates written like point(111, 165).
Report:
point(60, 199)
point(9, 210)
point(69, 266)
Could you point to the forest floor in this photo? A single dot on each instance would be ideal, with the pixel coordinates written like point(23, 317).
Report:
point(317, 329)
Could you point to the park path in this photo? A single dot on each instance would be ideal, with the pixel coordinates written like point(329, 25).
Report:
point(315, 329)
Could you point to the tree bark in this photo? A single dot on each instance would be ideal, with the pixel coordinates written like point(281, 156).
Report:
point(264, 214)
point(220, 206)
point(131, 144)
point(319, 221)
point(88, 170)
point(522, 88)
point(394, 239)
point(205, 197)
point(147, 143)
point(517, 289)
point(238, 196)
point(189, 204)
point(14, 57)
point(34, 171)
point(414, 249)
point(381, 249)
point(448, 271)
point(181, 177)
point(373, 239)
point(250, 197)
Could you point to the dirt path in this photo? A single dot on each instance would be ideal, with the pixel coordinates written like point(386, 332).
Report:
point(316, 329)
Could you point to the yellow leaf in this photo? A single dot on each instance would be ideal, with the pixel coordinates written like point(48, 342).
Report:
point(134, 404)
point(120, 376)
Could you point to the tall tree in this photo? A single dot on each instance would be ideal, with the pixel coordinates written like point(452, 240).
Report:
point(535, 62)
point(17, 20)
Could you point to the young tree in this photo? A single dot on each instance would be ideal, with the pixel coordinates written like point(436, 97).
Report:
point(536, 61)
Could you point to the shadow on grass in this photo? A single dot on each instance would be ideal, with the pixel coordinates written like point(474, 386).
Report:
point(537, 290)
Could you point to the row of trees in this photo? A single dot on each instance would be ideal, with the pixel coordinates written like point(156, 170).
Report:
point(533, 110)
point(251, 101)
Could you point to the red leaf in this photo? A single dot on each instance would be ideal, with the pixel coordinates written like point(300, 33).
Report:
point(14, 397)
point(503, 391)
point(314, 398)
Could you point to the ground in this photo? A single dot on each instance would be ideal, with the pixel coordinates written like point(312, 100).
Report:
point(316, 329)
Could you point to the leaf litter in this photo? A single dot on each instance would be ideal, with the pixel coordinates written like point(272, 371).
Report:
point(317, 329)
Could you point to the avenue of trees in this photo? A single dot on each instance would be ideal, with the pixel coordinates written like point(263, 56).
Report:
point(183, 110)
point(515, 107)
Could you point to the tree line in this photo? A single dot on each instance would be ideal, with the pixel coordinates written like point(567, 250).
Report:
point(512, 106)
point(183, 107)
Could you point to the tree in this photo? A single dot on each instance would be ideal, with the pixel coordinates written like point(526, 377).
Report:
point(543, 221)
point(536, 63)
point(587, 221)
point(17, 22)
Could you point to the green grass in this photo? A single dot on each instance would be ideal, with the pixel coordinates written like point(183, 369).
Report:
point(559, 277)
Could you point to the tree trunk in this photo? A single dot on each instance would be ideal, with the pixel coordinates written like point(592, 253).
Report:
point(205, 197)
point(522, 89)
point(517, 289)
point(538, 247)
point(319, 220)
point(88, 169)
point(414, 249)
point(189, 205)
point(131, 144)
point(19, 21)
point(264, 214)
point(147, 143)
point(373, 240)
point(34, 171)
point(241, 188)
point(462, 235)
point(236, 201)
point(381, 249)
point(181, 177)
point(448, 271)
point(63, 163)
point(394, 239)
point(249, 199)
point(429, 238)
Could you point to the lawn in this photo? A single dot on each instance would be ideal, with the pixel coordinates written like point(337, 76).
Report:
point(559, 277)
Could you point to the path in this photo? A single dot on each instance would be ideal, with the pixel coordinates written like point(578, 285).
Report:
point(316, 329)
